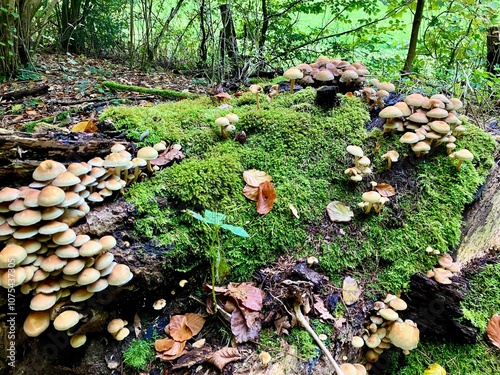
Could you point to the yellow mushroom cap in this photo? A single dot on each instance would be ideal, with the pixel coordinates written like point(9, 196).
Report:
point(66, 320)
point(293, 73)
point(371, 197)
point(115, 325)
point(404, 335)
point(48, 170)
point(77, 340)
point(464, 154)
point(348, 369)
point(36, 323)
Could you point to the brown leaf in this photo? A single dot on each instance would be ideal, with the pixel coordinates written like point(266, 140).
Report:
point(350, 291)
point(248, 295)
point(493, 330)
point(385, 190)
point(266, 198)
point(167, 156)
point(165, 344)
point(193, 357)
point(282, 324)
point(178, 328)
point(194, 322)
point(319, 307)
point(251, 192)
point(254, 178)
point(239, 327)
point(174, 352)
point(85, 126)
point(224, 356)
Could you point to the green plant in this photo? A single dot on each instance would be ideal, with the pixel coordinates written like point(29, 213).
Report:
point(215, 221)
point(139, 354)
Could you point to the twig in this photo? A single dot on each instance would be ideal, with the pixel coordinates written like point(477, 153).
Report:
point(305, 324)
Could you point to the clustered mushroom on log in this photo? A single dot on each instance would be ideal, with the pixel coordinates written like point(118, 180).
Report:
point(386, 329)
point(40, 252)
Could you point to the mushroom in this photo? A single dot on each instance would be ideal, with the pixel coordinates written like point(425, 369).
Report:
point(148, 153)
point(463, 155)
point(404, 335)
point(390, 113)
point(370, 197)
point(292, 74)
point(256, 90)
point(391, 156)
point(357, 152)
point(223, 122)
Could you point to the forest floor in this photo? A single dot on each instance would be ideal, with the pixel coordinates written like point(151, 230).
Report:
point(73, 94)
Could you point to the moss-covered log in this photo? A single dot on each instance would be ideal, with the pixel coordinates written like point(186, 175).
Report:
point(167, 94)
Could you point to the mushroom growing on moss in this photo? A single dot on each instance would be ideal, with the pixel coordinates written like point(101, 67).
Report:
point(148, 153)
point(357, 152)
point(292, 74)
point(369, 198)
point(463, 155)
point(391, 156)
point(256, 90)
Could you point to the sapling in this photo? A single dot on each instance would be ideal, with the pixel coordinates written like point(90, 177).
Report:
point(214, 222)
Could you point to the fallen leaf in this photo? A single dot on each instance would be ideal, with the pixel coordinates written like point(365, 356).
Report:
point(319, 307)
point(137, 325)
point(167, 156)
point(385, 190)
point(240, 330)
point(178, 328)
point(294, 210)
point(224, 356)
point(266, 198)
point(339, 212)
point(282, 324)
point(350, 291)
point(251, 192)
point(194, 322)
point(493, 330)
point(339, 322)
point(193, 357)
point(254, 178)
point(176, 351)
point(247, 294)
point(435, 369)
point(162, 345)
point(85, 127)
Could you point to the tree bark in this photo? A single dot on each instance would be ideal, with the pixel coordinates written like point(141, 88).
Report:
point(412, 48)
point(493, 50)
point(228, 41)
point(203, 43)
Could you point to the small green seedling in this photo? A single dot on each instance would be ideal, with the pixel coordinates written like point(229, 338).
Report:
point(215, 221)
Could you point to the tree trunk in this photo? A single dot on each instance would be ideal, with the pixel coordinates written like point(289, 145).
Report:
point(263, 30)
point(493, 50)
point(228, 41)
point(131, 32)
point(412, 48)
point(203, 43)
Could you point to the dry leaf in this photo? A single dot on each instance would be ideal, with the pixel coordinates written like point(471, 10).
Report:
point(84, 126)
point(224, 356)
point(282, 324)
point(254, 178)
point(174, 352)
point(192, 358)
point(137, 325)
point(168, 156)
point(294, 210)
point(247, 294)
point(162, 345)
point(435, 369)
point(339, 212)
point(194, 322)
point(239, 328)
point(319, 307)
point(267, 197)
point(493, 330)
point(178, 328)
point(251, 192)
point(350, 290)
point(385, 190)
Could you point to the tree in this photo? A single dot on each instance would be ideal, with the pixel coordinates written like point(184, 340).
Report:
point(412, 48)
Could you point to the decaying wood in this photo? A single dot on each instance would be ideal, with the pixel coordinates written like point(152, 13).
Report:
point(482, 228)
point(20, 153)
point(34, 91)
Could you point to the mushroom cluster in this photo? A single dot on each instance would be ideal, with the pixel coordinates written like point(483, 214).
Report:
point(372, 199)
point(44, 256)
point(361, 164)
point(447, 268)
point(117, 329)
point(326, 71)
point(427, 122)
point(376, 97)
point(226, 124)
point(386, 328)
point(353, 369)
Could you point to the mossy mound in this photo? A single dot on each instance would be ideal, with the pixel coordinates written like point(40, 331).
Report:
point(303, 149)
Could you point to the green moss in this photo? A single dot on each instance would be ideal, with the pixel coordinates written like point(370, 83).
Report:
point(303, 149)
point(456, 359)
point(483, 300)
point(139, 354)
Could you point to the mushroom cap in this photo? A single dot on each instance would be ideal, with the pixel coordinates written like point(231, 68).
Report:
point(415, 100)
point(43, 301)
point(232, 117)
point(404, 335)
point(48, 170)
point(27, 217)
point(364, 161)
point(348, 369)
point(103, 260)
point(98, 286)
point(107, 242)
point(392, 154)
point(409, 137)
point(420, 146)
point(66, 179)
point(440, 127)
point(371, 197)
point(457, 103)
point(388, 314)
point(445, 261)
point(53, 263)
point(53, 227)
point(390, 112)
point(36, 322)
point(348, 75)
point(80, 295)
point(74, 266)
point(372, 341)
point(115, 325)
point(66, 320)
point(90, 248)
point(293, 73)
point(355, 150)
point(120, 275)
point(64, 238)
point(51, 196)
point(255, 89)
point(419, 118)
point(78, 340)
point(115, 159)
point(398, 304)
point(437, 113)
point(78, 168)
point(324, 76)
point(387, 86)
point(464, 154)
point(122, 333)
point(147, 153)
point(403, 107)
point(357, 341)
point(222, 121)
point(88, 276)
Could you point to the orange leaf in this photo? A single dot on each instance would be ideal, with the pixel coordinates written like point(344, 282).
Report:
point(493, 330)
point(179, 329)
point(174, 352)
point(254, 178)
point(385, 190)
point(223, 356)
point(251, 192)
point(194, 322)
point(266, 198)
point(164, 344)
point(84, 126)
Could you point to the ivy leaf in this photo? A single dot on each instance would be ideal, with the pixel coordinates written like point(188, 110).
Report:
point(239, 231)
point(339, 212)
point(435, 369)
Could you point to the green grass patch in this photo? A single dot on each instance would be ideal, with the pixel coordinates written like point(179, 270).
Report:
point(139, 354)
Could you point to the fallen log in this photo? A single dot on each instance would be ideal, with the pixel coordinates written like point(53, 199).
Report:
point(20, 153)
point(34, 91)
point(167, 94)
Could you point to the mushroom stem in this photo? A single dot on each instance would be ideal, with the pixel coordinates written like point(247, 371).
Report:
point(125, 174)
point(118, 171)
point(150, 169)
point(257, 99)
point(292, 84)
point(136, 174)
point(305, 324)
point(389, 163)
point(459, 163)
point(223, 132)
point(356, 162)
point(368, 208)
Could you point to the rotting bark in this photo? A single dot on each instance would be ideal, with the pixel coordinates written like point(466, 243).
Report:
point(20, 153)
point(34, 91)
